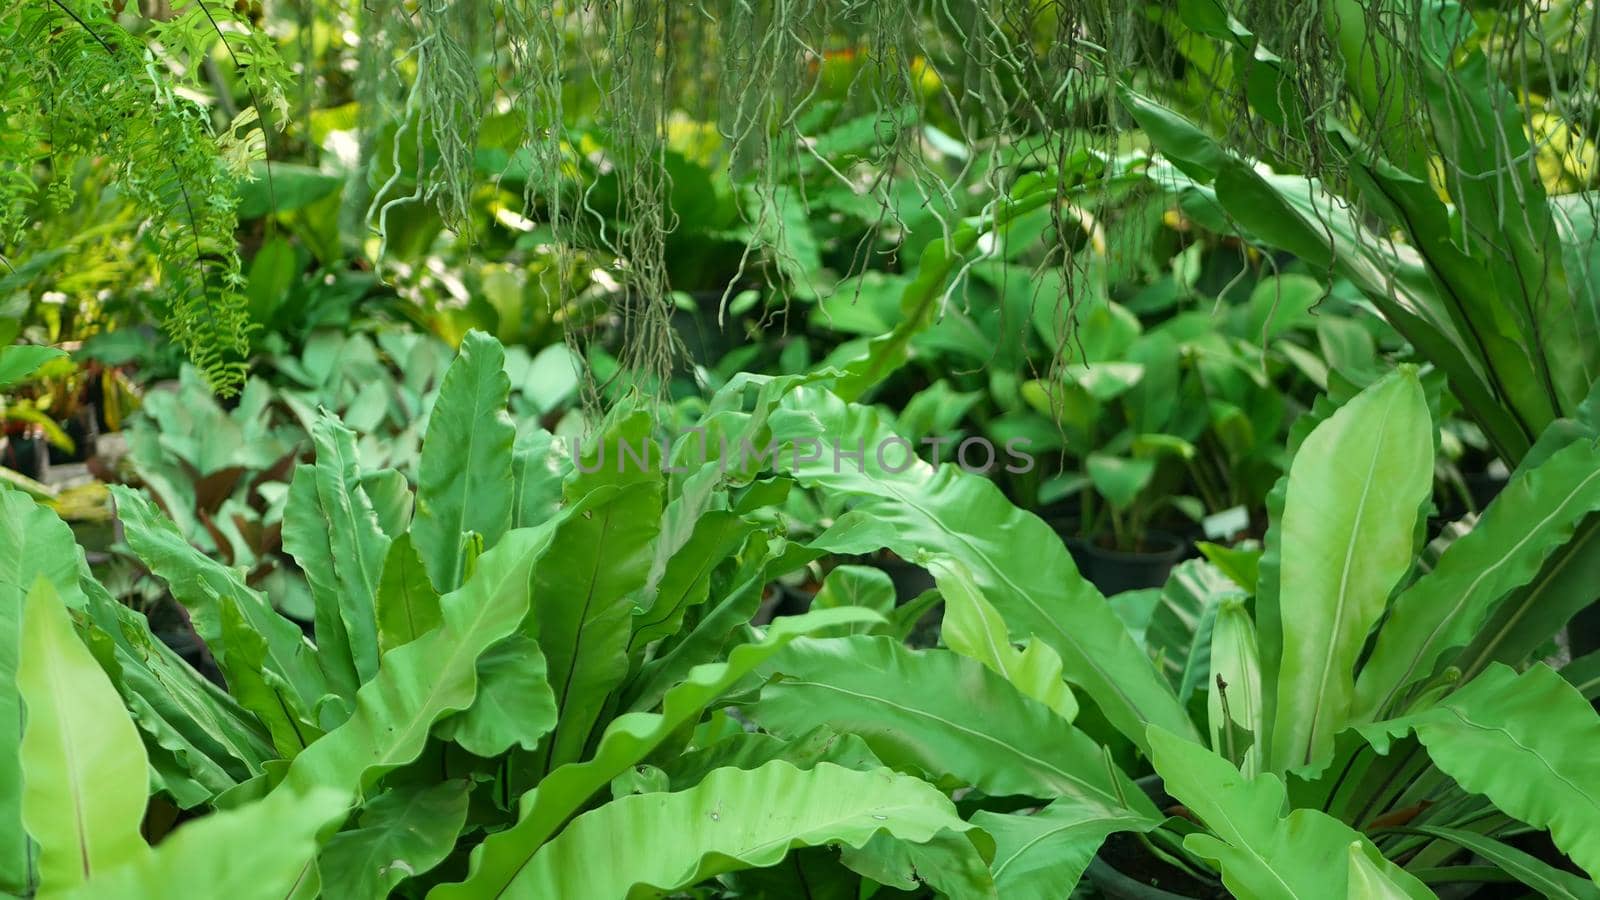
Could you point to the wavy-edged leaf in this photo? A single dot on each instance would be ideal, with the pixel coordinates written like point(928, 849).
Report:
point(1042, 855)
point(260, 851)
point(424, 680)
point(331, 529)
point(1524, 741)
point(666, 841)
point(85, 777)
point(684, 581)
point(752, 749)
point(1533, 516)
point(974, 629)
point(497, 862)
point(200, 739)
point(939, 713)
point(466, 462)
point(582, 609)
point(921, 511)
point(403, 832)
point(539, 465)
point(1355, 488)
point(407, 606)
point(1263, 854)
point(197, 581)
point(515, 705)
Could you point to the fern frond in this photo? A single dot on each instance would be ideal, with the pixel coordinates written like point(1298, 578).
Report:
point(76, 85)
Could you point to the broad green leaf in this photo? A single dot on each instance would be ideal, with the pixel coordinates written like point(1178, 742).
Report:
point(974, 629)
point(684, 581)
point(200, 739)
point(1042, 855)
point(942, 714)
point(84, 772)
point(34, 544)
point(403, 832)
point(1534, 515)
point(582, 613)
point(19, 361)
point(1526, 868)
point(539, 465)
point(260, 851)
point(1524, 741)
point(197, 581)
point(1263, 854)
point(350, 540)
point(407, 604)
point(465, 471)
point(1584, 674)
point(1527, 619)
point(1233, 703)
point(1120, 480)
point(1355, 488)
point(1368, 879)
point(428, 678)
point(258, 689)
point(753, 749)
point(865, 586)
point(664, 842)
point(629, 738)
point(1016, 560)
point(514, 706)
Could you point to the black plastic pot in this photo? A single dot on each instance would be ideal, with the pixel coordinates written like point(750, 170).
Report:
point(1115, 571)
point(26, 454)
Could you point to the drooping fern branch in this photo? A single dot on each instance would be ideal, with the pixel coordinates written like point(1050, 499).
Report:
point(75, 85)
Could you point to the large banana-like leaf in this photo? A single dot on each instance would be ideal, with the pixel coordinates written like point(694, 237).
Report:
point(582, 612)
point(946, 512)
point(1355, 488)
point(1532, 517)
point(34, 544)
point(466, 464)
point(1263, 854)
point(497, 862)
point(973, 628)
point(260, 851)
point(1042, 855)
point(642, 845)
point(1524, 741)
point(332, 530)
point(428, 678)
point(403, 832)
point(943, 714)
point(84, 772)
